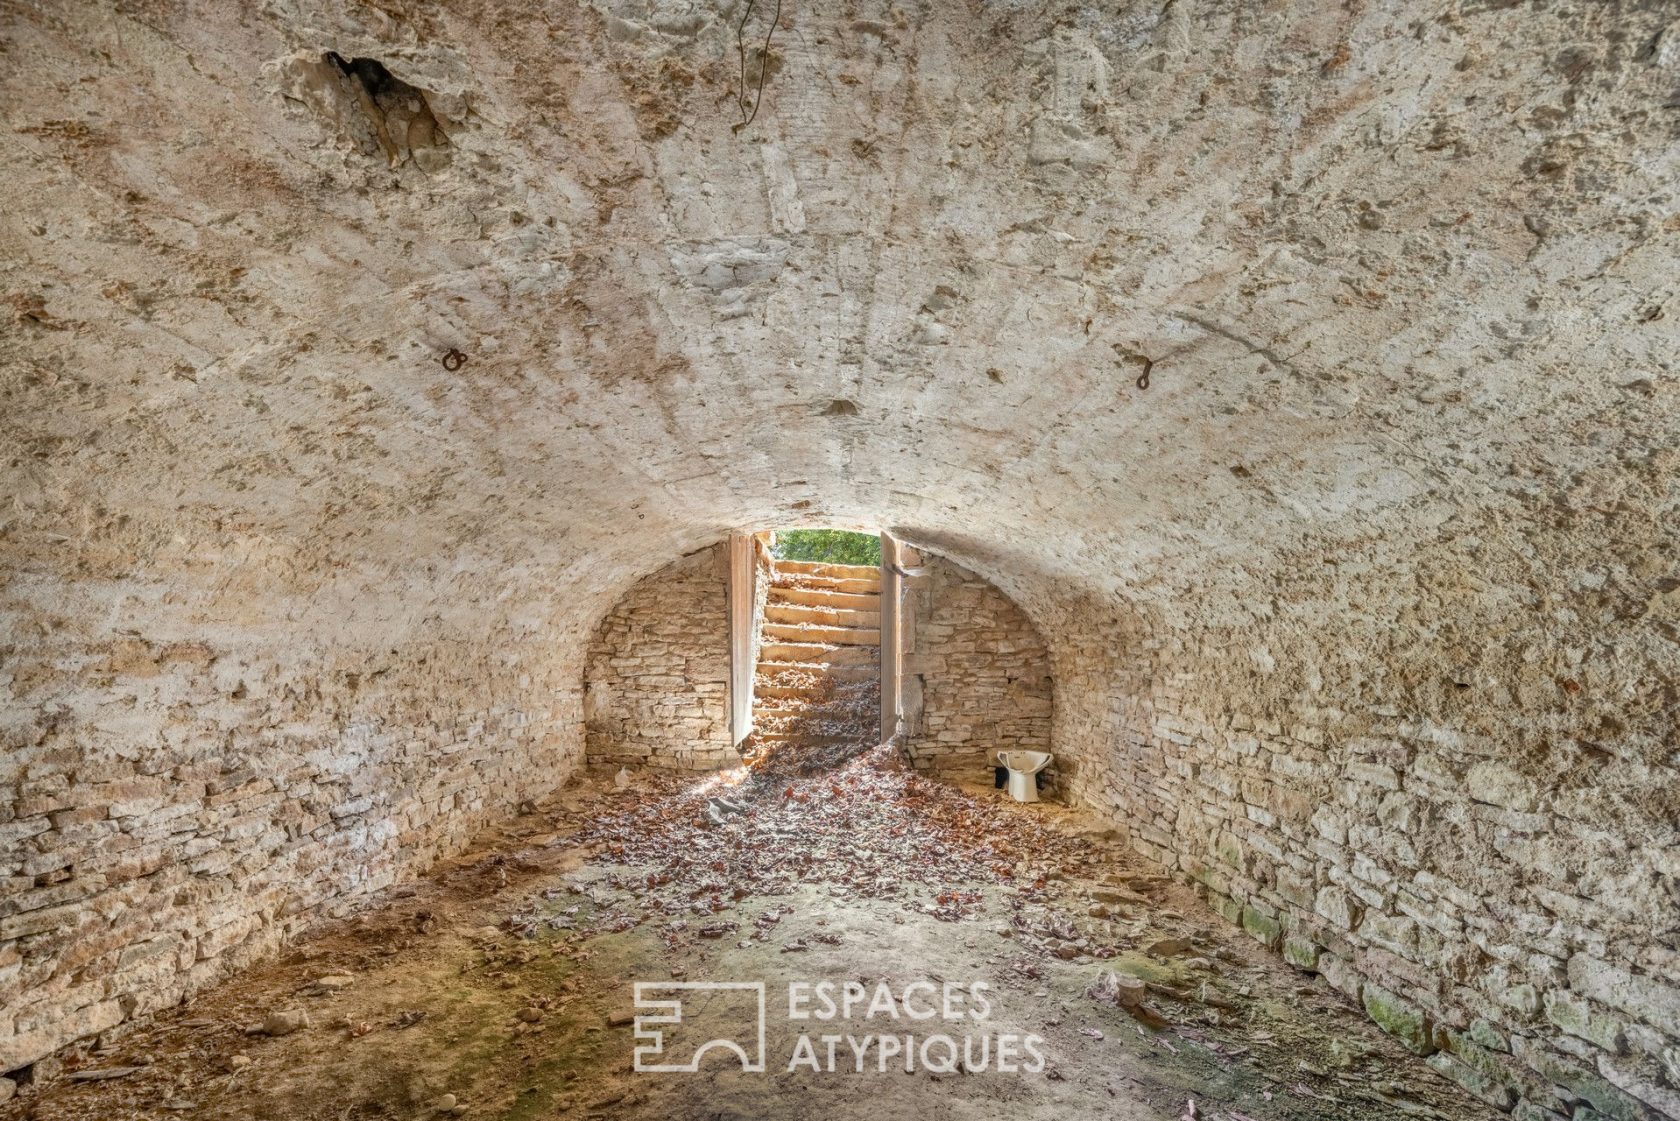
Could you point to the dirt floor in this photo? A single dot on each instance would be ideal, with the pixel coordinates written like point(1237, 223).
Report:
point(502, 986)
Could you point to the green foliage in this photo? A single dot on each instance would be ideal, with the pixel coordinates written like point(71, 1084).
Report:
point(830, 546)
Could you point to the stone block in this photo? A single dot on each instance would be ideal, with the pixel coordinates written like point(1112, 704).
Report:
point(1499, 785)
point(1654, 1001)
point(30, 1046)
point(1488, 1035)
point(1374, 774)
point(1495, 1093)
point(1576, 1016)
point(1399, 1018)
point(1336, 906)
point(1641, 1081)
point(1497, 1065)
point(1301, 952)
point(16, 832)
point(1396, 934)
point(1213, 879)
point(1579, 1082)
point(41, 921)
point(1262, 925)
point(1227, 907)
point(1296, 887)
point(1366, 894)
point(1522, 998)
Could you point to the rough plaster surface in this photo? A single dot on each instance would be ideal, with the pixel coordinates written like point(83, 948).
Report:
point(656, 680)
point(976, 673)
point(1401, 485)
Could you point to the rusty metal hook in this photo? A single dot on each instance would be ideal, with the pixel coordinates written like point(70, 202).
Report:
point(1126, 354)
point(453, 360)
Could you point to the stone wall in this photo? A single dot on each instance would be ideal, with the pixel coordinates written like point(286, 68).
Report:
point(175, 809)
point(656, 679)
point(976, 672)
point(1489, 870)
point(1402, 276)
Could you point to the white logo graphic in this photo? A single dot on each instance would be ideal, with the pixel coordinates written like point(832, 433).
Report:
point(671, 1012)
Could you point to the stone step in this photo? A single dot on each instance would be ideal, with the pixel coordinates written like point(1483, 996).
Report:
point(840, 673)
point(860, 585)
point(824, 597)
point(817, 653)
point(764, 690)
point(823, 568)
point(822, 616)
point(837, 709)
point(832, 636)
point(804, 737)
point(832, 729)
point(826, 584)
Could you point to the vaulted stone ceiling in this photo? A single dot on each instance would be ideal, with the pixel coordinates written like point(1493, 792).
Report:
point(1402, 276)
point(1305, 370)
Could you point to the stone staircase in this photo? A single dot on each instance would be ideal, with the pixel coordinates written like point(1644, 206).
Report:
point(817, 687)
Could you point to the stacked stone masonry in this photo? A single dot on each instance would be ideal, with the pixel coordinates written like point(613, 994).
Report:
point(976, 673)
point(656, 680)
point(177, 810)
point(1511, 918)
point(1363, 611)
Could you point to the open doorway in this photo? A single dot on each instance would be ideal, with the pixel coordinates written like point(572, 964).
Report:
point(816, 687)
